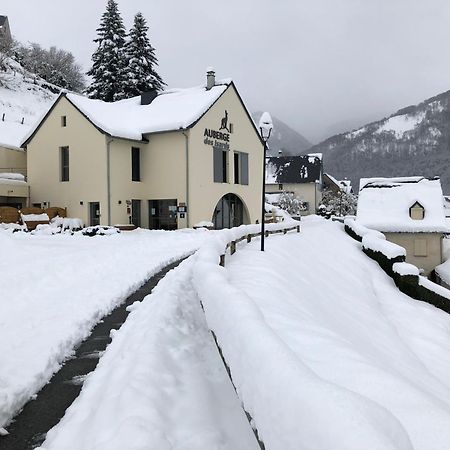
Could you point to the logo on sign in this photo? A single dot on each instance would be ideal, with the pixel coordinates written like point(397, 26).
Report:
point(218, 139)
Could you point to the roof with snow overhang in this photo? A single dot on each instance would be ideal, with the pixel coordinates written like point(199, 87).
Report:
point(171, 110)
point(294, 169)
point(384, 204)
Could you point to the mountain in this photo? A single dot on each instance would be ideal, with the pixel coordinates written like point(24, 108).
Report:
point(284, 138)
point(413, 141)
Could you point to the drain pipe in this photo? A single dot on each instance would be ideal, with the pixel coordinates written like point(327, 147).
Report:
point(108, 176)
point(186, 136)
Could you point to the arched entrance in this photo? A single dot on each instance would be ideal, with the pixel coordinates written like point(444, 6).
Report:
point(230, 212)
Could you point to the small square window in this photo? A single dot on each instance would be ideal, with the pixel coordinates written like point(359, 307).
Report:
point(63, 121)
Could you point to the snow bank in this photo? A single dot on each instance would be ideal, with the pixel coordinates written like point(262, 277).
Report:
point(311, 320)
point(67, 223)
point(278, 400)
point(388, 249)
point(62, 286)
point(159, 385)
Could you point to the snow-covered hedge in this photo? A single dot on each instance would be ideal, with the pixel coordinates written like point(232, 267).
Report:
point(404, 268)
point(99, 230)
point(358, 231)
point(377, 244)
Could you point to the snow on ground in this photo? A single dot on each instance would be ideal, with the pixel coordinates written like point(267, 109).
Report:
point(53, 289)
point(160, 385)
point(324, 350)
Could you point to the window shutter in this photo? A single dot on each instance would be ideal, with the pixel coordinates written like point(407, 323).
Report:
point(244, 168)
point(218, 165)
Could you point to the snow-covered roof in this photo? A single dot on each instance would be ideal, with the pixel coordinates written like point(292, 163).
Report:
point(171, 110)
point(384, 204)
point(294, 169)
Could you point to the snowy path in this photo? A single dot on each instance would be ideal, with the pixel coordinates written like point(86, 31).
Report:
point(345, 321)
point(160, 385)
point(53, 289)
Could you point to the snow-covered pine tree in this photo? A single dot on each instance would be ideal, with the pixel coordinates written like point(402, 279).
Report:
point(109, 61)
point(142, 62)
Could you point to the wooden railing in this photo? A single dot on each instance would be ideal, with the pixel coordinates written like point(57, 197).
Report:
point(232, 244)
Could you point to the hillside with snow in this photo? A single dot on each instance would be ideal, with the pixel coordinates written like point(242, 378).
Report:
point(412, 141)
point(23, 99)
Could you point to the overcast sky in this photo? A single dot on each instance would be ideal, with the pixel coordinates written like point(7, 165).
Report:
point(316, 64)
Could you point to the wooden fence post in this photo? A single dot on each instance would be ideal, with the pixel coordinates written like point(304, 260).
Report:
point(266, 234)
point(249, 238)
point(233, 247)
point(284, 231)
point(298, 228)
point(222, 261)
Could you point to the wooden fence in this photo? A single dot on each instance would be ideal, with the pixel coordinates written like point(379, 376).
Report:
point(232, 244)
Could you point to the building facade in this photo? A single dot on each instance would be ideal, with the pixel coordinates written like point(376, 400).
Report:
point(300, 175)
point(163, 161)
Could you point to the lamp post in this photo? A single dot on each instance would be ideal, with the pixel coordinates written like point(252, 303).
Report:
point(265, 128)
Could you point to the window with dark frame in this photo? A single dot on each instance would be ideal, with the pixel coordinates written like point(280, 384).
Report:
point(220, 165)
point(135, 164)
point(64, 163)
point(236, 168)
point(63, 121)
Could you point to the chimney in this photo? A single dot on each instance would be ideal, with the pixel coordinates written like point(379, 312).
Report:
point(280, 152)
point(210, 78)
point(148, 96)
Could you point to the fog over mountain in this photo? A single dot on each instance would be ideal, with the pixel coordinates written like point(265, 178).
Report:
point(284, 138)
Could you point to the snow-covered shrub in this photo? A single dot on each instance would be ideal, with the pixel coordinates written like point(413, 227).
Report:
point(67, 223)
point(288, 202)
point(358, 231)
point(99, 230)
point(337, 203)
point(13, 227)
point(385, 253)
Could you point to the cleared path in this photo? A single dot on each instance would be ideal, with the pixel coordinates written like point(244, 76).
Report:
point(29, 428)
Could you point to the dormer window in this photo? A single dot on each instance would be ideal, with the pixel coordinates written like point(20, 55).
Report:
point(417, 211)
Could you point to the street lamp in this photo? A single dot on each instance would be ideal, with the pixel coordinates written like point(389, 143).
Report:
point(265, 128)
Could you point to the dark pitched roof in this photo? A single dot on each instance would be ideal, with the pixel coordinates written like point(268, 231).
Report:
point(294, 169)
point(2, 20)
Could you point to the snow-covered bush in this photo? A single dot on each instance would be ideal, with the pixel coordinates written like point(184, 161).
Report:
point(385, 253)
point(358, 231)
point(337, 203)
point(288, 202)
point(99, 230)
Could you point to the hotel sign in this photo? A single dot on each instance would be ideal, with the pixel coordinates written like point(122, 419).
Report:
point(218, 138)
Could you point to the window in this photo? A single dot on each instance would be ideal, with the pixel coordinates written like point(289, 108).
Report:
point(220, 163)
point(420, 247)
point(417, 211)
point(63, 121)
point(64, 163)
point(135, 164)
point(240, 168)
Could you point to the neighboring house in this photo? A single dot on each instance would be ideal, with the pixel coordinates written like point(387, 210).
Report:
point(5, 32)
point(162, 161)
point(447, 206)
point(409, 211)
point(329, 182)
point(301, 175)
point(14, 190)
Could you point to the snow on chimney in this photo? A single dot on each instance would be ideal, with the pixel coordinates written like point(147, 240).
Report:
point(210, 78)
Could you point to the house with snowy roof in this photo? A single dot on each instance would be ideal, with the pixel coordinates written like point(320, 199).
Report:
point(410, 213)
point(300, 175)
point(335, 185)
point(164, 161)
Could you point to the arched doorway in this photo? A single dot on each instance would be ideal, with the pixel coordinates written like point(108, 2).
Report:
point(230, 212)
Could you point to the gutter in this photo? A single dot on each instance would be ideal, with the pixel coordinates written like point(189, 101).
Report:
point(108, 176)
point(186, 136)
